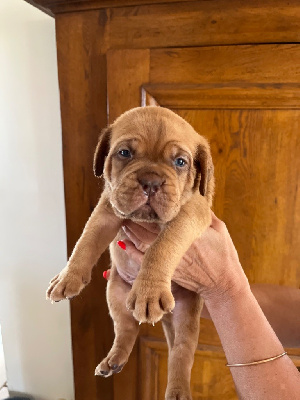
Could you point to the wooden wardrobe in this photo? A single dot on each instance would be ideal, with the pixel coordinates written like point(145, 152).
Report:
point(232, 69)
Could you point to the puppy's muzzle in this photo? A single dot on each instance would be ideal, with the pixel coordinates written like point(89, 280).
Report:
point(150, 183)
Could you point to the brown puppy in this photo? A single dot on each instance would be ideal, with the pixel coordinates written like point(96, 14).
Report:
point(156, 169)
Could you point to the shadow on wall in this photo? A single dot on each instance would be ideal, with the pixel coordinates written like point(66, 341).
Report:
point(3, 380)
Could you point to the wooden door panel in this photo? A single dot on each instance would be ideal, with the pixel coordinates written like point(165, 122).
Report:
point(257, 167)
point(210, 377)
point(250, 114)
point(224, 64)
point(202, 23)
point(229, 95)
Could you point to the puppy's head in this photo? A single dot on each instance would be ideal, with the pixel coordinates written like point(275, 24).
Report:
point(152, 161)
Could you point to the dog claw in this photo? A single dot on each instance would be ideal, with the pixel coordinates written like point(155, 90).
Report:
point(140, 323)
point(153, 323)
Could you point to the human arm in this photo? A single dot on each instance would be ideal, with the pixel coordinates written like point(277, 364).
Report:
point(246, 336)
point(244, 331)
point(280, 304)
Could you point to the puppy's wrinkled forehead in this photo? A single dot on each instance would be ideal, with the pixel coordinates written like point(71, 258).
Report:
point(154, 127)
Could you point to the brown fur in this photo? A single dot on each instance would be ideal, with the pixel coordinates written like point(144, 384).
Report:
point(147, 186)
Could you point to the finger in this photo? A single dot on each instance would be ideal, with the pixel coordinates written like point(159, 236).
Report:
point(140, 245)
point(133, 253)
point(106, 274)
point(216, 223)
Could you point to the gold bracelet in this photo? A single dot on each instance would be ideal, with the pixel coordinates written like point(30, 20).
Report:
point(257, 362)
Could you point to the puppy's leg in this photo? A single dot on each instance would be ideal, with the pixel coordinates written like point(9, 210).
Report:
point(101, 228)
point(125, 326)
point(150, 297)
point(169, 331)
point(186, 323)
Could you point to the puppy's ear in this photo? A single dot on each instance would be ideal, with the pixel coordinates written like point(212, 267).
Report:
point(101, 151)
point(205, 168)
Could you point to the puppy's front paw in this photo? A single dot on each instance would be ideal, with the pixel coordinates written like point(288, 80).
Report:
point(67, 284)
point(149, 301)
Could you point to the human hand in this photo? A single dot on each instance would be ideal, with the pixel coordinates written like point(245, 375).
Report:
point(210, 267)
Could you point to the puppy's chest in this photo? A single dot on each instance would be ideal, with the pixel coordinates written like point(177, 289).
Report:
point(127, 268)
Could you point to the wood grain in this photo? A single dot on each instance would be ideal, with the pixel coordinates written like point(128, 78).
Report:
point(257, 171)
point(125, 84)
point(224, 64)
point(83, 113)
point(204, 23)
point(148, 24)
point(210, 377)
point(225, 96)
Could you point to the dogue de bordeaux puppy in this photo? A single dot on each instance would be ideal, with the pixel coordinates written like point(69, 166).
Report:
point(156, 169)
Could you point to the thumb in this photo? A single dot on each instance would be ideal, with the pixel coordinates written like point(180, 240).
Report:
point(133, 252)
point(217, 224)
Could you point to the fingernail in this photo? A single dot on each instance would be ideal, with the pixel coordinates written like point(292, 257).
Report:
point(105, 274)
point(122, 244)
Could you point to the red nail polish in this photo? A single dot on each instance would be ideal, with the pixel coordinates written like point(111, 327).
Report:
point(105, 274)
point(122, 244)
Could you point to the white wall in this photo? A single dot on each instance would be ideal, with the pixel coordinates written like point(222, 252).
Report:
point(36, 334)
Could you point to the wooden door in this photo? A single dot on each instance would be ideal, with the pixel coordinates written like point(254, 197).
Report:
point(250, 112)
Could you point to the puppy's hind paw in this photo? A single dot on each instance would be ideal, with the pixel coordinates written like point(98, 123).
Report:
point(178, 394)
point(112, 364)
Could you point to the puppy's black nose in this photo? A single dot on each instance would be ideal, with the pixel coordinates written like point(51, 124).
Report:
point(150, 183)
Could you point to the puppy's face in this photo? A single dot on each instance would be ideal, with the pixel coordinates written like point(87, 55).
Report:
point(154, 160)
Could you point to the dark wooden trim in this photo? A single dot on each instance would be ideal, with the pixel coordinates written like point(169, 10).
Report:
point(82, 78)
point(60, 6)
point(224, 96)
point(199, 23)
point(40, 7)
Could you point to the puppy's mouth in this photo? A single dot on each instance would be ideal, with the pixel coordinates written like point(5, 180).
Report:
point(145, 202)
point(144, 212)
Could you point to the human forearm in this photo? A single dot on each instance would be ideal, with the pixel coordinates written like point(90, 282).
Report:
point(247, 336)
point(211, 267)
point(281, 306)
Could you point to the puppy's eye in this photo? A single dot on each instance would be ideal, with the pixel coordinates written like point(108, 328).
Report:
point(125, 153)
point(180, 162)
